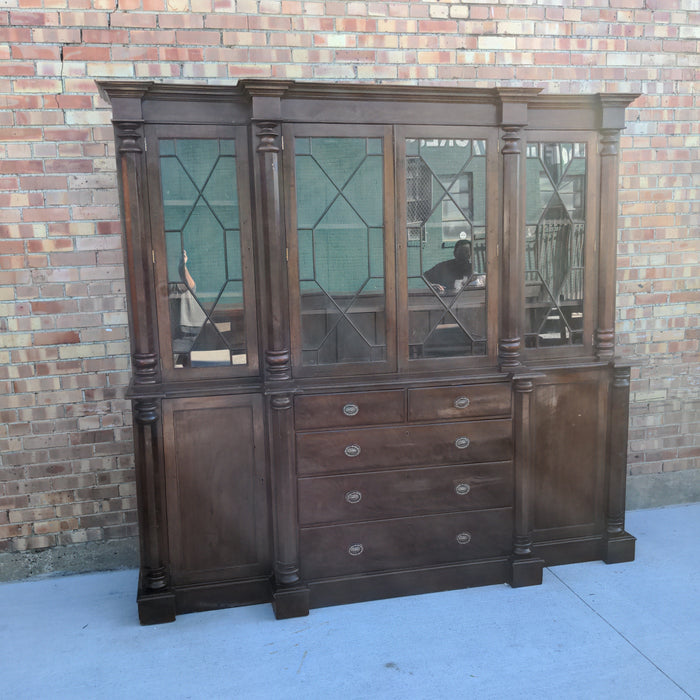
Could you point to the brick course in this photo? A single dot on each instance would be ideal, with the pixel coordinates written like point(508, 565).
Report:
point(66, 472)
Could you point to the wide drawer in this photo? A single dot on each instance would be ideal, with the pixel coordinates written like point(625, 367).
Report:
point(349, 409)
point(343, 451)
point(403, 493)
point(459, 402)
point(337, 550)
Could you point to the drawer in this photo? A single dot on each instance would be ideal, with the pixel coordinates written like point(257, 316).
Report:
point(403, 493)
point(349, 409)
point(458, 402)
point(343, 451)
point(337, 550)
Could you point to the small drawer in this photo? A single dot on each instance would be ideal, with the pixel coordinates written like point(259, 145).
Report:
point(337, 550)
point(343, 451)
point(345, 410)
point(404, 493)
point(456, 402)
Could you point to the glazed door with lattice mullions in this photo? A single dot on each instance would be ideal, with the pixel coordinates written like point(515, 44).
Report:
point(204, 252)
point(341, 251)
point(557, 231)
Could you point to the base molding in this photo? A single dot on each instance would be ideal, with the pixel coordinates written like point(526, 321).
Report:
point(394, 584)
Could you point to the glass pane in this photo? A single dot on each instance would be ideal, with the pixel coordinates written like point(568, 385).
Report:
point(556, 206)
point(203, 248)
point(340, 212)
point(446, 236)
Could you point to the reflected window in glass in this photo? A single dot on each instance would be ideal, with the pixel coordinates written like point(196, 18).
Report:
point(446, 244)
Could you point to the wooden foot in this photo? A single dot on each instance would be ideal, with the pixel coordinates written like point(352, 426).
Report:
point(526, 572)
point(619, 549)
point(290, 602)
point(156, 608)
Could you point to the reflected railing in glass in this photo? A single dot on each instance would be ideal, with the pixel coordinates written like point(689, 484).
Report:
point(554, 244)
point(203, 248)
point(446, 247)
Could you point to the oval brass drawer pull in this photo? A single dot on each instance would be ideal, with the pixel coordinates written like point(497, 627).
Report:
point(461, 443)
point(462, 489)
point(464, 538)
point(461, 402)
point(354, 550)
point(353, 496)
point(352, 450)
point(351, 409)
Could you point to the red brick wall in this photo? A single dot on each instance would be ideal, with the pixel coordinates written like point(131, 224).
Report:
point(65, 467)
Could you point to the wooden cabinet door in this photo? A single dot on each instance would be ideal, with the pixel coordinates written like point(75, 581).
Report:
point(217, 495)
point(569, 434)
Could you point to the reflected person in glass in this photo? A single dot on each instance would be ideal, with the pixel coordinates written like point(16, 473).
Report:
point(450, 276)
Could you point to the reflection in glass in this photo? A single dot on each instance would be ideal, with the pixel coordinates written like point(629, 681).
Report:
point(340, 211)
point(446, 236)
point(203, 247)
point(556, 203)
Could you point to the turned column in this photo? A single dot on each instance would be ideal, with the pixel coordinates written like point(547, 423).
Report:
point(605, 332)
point(155, 598)
point(526, 568)
point(290, 596)
point(619, 545)
point(513, 104)
point(612, 121)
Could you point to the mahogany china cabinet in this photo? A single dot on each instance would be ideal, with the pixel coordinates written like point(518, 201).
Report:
point(373, 338)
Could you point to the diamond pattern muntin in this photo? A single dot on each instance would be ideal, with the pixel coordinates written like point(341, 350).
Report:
point(554, 246)
point(449, 161)
point(340, 214)
point(200, 203)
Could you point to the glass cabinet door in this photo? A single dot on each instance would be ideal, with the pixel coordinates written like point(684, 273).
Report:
point(445, 238)
point(556, 223)
point(206, 254)
point(340, 314)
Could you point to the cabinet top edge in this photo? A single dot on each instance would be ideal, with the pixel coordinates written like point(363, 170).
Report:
point(246, 89)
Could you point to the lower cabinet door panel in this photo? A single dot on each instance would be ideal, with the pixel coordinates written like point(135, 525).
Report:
point(216, 488)
point(338, 550)
point(403, 493)
point(346, 451)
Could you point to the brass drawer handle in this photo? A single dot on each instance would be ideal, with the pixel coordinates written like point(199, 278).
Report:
point(462, 489)
point(462, 443)
point(461, 402)
point(351, 409)
point(352, 450)
point(353, 496)
point(354, 550)
point(464, 538)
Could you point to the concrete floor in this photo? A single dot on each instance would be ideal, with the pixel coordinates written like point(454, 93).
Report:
point(590, 631)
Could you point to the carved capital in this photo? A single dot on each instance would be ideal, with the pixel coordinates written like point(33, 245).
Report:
point(509, 353)
point(604, 343)
point(270, 137)
point(609, 142)
point(278, 364)
point(145, 366)
point(129, 136)
point(523, 385)
point(621, 377)
point(146, 411)
point(512, 136)
point(281, 402)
